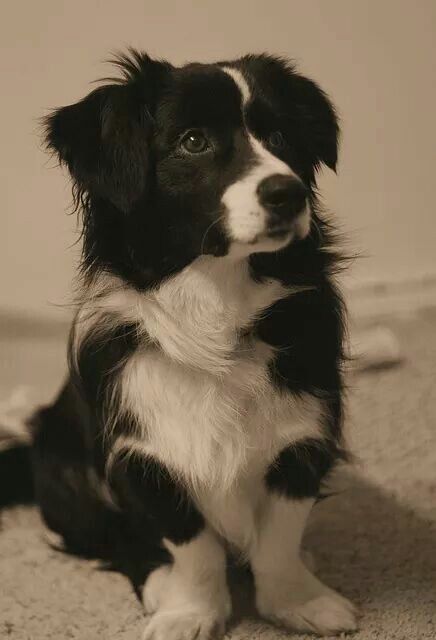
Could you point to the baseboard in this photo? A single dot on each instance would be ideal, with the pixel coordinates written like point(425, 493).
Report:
point(378, 298)
point(29, 325)
point(365, 300)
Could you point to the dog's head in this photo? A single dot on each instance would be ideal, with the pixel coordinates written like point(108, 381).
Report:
point(172, 163)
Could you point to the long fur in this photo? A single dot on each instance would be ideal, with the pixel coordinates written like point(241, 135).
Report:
point(205, 385)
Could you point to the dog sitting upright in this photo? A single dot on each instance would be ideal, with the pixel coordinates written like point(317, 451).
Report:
point(204, 405)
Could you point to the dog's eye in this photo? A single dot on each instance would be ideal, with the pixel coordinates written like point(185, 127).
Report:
point(276, 140)
point(194, 142)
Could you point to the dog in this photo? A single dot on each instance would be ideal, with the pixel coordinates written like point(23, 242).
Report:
point(203, 411)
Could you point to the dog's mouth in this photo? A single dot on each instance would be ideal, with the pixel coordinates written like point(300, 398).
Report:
point(273, 234)
point(285, 231)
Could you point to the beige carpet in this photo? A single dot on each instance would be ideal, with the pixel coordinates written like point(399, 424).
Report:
point(376, 542)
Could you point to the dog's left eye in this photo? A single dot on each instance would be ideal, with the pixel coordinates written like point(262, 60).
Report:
point(276, 140)
point(194, 142)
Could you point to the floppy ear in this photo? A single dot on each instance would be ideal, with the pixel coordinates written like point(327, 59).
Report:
point(304, 107)
point(104, 139)
point(317, 117)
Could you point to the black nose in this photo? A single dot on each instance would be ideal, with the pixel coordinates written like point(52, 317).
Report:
point(283, 195)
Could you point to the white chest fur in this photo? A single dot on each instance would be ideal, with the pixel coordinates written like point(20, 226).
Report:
point(213, 430)
point(199, 387)
point(217, 433)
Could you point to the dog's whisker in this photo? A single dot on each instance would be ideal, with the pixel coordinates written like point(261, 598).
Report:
point(203, 407)
point(207, 231)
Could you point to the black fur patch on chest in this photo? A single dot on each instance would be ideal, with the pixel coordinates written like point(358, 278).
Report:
point(299, 471)
point(100, 360)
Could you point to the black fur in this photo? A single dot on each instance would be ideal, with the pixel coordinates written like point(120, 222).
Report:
point(300, 470)
point(150, 495)
point(148, 211)
point(120, 145)
point(16, 477)
point(298, 107)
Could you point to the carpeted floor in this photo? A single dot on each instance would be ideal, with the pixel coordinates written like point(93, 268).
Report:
point(375, 542)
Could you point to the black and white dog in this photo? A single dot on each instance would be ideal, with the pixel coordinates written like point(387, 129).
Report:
point(204, 405)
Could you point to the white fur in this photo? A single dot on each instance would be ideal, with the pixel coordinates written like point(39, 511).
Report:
point(246, 219)
point(200, 392)
point(194, 317)
point(190, 598)
point(99, 309)
point(235, 508)
point(240, 81)
point(286, 592)
point(201, 400)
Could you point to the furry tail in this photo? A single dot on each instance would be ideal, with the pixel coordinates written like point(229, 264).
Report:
point(16, 476)
point(67, 497)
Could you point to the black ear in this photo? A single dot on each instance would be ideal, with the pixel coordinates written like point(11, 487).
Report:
point(317, 117)
point(104, 139)
point(304, 107)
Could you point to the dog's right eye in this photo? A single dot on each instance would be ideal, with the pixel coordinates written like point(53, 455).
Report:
point(276, 140)
point(194, 142)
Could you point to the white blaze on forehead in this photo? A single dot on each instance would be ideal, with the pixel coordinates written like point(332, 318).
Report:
point(241, 83)
point(247, 219)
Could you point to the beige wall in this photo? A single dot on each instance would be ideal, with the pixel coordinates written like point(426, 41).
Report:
point(376, 58)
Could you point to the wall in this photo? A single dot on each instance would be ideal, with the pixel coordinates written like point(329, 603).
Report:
point(376, 58)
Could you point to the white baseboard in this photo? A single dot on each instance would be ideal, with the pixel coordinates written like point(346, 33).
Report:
point(365, 299)
point(402, 297)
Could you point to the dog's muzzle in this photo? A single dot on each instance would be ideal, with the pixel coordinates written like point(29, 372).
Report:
point(284, 198)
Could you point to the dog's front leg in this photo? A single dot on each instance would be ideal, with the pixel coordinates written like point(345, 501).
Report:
point(187, 599)
point(287, 593)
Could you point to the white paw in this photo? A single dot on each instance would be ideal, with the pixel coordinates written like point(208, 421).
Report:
point(154, 588)
point(304, 603)
point(184, 624)
point(182, 610)
point(324, 615)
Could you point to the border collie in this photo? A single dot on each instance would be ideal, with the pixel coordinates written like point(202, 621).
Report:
point(203, 409)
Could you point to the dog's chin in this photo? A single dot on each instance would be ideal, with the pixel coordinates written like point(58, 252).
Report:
point(273, 239)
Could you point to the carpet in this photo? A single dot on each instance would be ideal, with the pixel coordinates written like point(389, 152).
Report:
point(375, 541)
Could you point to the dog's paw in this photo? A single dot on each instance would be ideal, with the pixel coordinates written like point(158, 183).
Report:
point(154, 588)
point(325, 615)
point(301, 602)
point(183, 611)
point(184, 624)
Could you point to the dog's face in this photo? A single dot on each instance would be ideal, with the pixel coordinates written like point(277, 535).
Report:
point(204, 159)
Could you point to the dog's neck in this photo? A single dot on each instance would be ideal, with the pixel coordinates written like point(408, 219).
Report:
point(197, 317)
